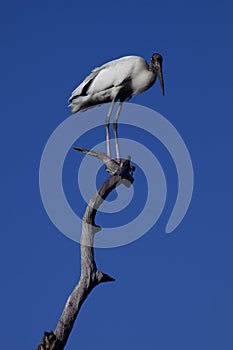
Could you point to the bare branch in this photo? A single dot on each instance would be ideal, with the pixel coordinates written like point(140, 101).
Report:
point(90, 275)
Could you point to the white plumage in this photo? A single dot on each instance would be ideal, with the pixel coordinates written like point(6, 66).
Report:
point(116, 80)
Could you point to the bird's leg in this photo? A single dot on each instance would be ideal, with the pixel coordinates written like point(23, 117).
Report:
point(115, 130)
point(107, 128)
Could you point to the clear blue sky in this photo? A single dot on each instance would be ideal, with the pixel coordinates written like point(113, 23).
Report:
point(171, 291)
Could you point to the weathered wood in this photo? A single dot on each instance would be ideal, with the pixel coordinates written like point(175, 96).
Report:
point(90, 275)
point(47, 342)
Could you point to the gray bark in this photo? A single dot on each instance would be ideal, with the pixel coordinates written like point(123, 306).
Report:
point(90, 275)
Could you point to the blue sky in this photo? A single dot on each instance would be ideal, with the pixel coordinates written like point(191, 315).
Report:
point(170, 290)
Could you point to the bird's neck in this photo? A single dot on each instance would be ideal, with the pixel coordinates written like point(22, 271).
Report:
point(152, 68)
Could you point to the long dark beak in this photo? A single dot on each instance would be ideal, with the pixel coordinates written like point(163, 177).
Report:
point(160, 75)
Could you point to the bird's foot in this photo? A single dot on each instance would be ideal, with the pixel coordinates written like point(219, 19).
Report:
point(119, 160)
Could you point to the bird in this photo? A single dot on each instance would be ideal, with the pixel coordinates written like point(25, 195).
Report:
point(116, 80)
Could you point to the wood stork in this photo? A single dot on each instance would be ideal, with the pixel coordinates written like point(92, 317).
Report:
point(117, 80)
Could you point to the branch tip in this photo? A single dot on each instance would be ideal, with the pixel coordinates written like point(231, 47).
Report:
point(103, 277)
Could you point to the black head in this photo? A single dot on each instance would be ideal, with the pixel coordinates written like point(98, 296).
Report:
point(156, 57)
point(157, 67)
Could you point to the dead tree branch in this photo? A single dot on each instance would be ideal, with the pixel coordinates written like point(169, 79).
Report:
point(90, 275)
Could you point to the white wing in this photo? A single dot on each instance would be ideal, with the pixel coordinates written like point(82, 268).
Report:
point(79, 90)
point(111, 74)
